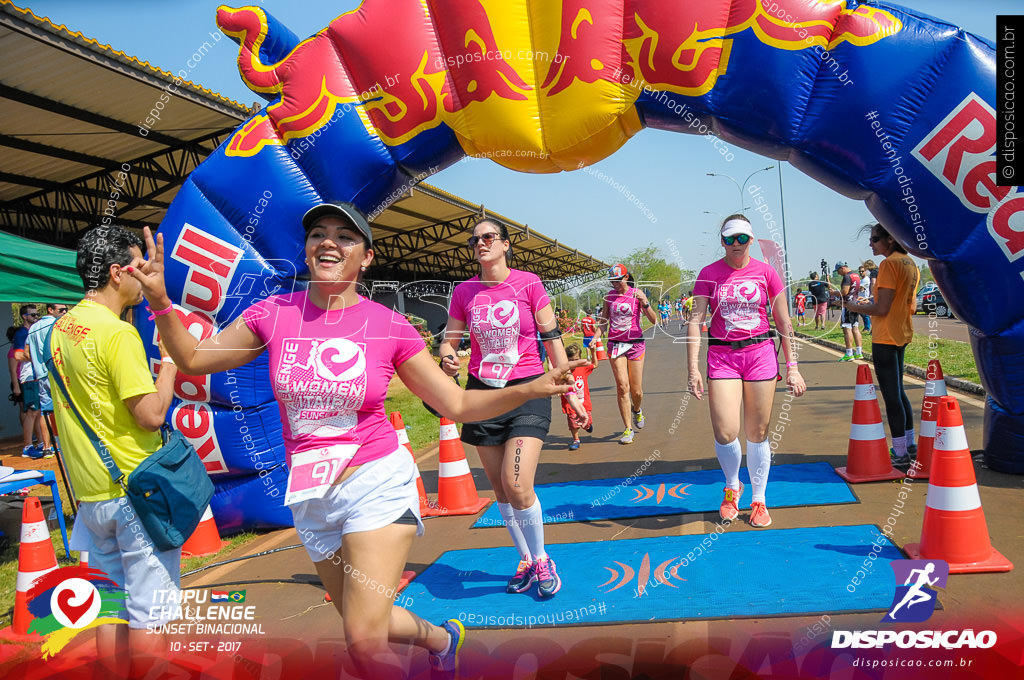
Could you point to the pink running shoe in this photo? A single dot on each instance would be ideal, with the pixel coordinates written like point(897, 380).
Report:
point(759, 516)
point(523, 578)
point(730, 508)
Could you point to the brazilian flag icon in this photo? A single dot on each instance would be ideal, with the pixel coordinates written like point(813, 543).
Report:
point(237, 596)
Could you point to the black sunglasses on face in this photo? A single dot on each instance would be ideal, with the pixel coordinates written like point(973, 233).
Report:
point(33, 315)
point(742, 238)
point(487, 238)
point(61, 310)
point(876, 239)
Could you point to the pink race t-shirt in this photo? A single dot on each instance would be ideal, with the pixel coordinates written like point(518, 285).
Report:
point(624, 313)
point(502, 327)
point(738, 298)
point(330, 371)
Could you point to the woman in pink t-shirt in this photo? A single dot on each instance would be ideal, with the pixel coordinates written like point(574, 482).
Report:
point(623, 305)
point(742, 364)
point(506, 311)
point(351, 486)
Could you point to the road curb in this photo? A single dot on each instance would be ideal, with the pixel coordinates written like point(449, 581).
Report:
point(958, 384)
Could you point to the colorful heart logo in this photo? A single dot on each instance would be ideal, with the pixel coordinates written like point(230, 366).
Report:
point(75, 603)
point(339, 359)
point(504, 314)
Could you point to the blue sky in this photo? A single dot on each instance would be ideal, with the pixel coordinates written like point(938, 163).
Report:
point(667, 171)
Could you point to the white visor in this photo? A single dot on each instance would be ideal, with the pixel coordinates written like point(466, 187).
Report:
point(736, 227)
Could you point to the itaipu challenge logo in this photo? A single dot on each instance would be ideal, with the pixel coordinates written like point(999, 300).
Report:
point(70, 600)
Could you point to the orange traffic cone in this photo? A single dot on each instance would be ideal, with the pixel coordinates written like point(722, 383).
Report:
point(934, 390)
point(83, 558)
point(704, 327)
point(427, 507)
point(599, 349)
point(456, 492)
point(205, 540)
point(36, 557)
point(867, 456)
point(954, 524)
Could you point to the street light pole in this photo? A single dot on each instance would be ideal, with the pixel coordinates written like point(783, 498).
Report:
point(785, 246)
point(738, 186)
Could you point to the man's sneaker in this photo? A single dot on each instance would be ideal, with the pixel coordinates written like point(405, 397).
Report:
point(575, 445)
point(627, 436)
point(900, 462)
point(859, 356)
point(912, 449)
point(548, 582)
point(522, 579)
point(846, 357)
point(730, 508)
point(48, 452)
point(759, 516)
point(638, 419)
point(448, 661)
point(33, 452)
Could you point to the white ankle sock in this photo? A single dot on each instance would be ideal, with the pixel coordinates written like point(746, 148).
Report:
point(729, 457)
point(759, 464)
point(508, 514)
point(531, 522)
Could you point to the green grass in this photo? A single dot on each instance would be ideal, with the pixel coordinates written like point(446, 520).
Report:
point(956, 357)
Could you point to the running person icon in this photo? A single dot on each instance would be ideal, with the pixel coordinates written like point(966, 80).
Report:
point(621, 316)
point(916, 594)
point(742, 364)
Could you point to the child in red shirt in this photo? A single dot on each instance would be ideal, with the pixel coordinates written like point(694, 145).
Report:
point(582, 394)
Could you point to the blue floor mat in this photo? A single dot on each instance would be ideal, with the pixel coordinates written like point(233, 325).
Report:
point(797, 571)
point(679, 492)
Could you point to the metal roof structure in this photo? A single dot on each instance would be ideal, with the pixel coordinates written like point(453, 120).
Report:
point(74, 118)
point(88, 129)
point(424, 233)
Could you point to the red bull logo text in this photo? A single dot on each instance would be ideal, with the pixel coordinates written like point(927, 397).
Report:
point(211, 265)
point(479, 69)
point(960, 152)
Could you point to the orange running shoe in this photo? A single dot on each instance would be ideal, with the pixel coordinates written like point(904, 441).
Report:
point(730, 508)
point(759, 516)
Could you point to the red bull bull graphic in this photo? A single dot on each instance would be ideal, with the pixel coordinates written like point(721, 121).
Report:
point(401, 89)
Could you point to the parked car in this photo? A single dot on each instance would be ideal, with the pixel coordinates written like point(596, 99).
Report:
point(934, 302)
point(929, 287)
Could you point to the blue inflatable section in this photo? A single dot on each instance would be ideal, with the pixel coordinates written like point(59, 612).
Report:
point(876, 102)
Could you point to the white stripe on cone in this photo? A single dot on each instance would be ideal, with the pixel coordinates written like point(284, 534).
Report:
point(951, 439)
point(449, 432)
point(953, 498)
point(928, 428)
point(867, 433)
point(864, 393)
point(83, 557)
point(25, 578)
point(935, 388)
point(34, 532)
point(456, 468)
point(207, 515)
point(403, 437)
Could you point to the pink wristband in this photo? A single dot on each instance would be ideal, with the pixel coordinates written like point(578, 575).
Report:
point(169, 309)
point(790, 364)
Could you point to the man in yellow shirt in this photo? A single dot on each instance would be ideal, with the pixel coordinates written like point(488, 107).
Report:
point(103, 365)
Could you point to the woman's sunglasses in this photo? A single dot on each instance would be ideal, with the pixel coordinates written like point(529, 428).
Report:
point(743, 239)
point(487, 238)
point(876, 239)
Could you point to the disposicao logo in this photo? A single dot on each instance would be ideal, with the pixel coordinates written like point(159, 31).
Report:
point(69, 600)
point(913, 602)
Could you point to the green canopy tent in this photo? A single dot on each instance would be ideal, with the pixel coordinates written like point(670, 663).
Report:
point(32, 271)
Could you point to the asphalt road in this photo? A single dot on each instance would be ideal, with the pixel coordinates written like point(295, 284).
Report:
point(289, 601)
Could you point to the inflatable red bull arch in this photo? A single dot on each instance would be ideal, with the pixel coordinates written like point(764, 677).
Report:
point(876, 102)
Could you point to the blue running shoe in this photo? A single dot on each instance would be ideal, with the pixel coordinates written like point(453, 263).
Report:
point(548, 582)
point(33, 452)
point(448, 661)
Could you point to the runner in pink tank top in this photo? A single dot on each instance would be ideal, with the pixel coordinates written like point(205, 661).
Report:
point(623, 306)
point(351, 486)
point(741, 361)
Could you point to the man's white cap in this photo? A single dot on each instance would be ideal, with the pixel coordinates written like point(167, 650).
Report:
point(736, 227)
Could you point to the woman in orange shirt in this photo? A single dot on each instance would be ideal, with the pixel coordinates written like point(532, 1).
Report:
point(892, 330)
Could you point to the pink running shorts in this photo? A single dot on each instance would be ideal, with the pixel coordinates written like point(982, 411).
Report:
point(752, 363)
